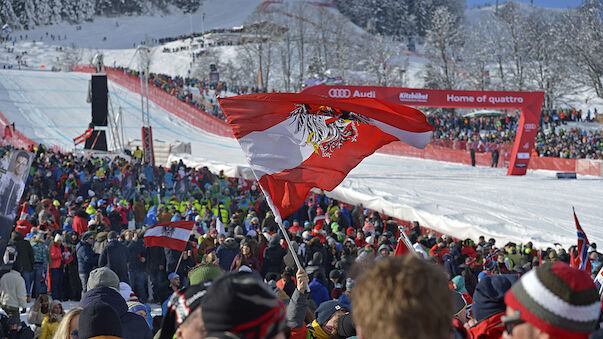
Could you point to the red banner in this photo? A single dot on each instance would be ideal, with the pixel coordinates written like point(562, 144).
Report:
point(529, 103)
point(148, 151)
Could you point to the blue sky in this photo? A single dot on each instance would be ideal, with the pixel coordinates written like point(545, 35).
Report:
point(540, 3)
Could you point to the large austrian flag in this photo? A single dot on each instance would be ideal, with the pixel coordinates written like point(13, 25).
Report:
point(295, 142)
point(172, 235)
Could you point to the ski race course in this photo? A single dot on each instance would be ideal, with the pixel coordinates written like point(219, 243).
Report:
point(456, 199)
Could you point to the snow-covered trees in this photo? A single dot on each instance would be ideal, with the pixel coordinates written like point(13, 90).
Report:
point(30, 13)
point(444, 43)
point(399, 19)
point(582, 43)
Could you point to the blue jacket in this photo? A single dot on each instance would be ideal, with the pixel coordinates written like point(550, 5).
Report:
point(115, 257)
point(86, 258)
point(319, 292)
point(133, 325)
point(226, 256)
point(151, 218)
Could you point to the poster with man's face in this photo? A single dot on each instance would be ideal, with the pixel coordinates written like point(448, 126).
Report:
point(14, 169)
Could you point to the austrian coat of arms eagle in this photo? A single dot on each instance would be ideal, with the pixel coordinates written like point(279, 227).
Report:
point(324, 133)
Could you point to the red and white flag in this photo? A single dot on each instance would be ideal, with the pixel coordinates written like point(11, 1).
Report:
point(172, 235)
point(403, 246)
point(295, 142)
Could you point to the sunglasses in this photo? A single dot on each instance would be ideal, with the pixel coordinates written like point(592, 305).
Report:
point(511, 321)
point(75, 334)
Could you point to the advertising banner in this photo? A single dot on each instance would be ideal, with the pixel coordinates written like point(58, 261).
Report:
point(14, 169)
point(530, 104)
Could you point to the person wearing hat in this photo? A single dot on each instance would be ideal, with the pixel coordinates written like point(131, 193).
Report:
point(227, 252)
point(175, 285)
point(209, 240)
point(25, 258)
point(103, 285)
point(488, 305)
point(336, 284)
point(99, 320)
point(239, 303)
point(327, 316)
point(552, 301)
point(204, 272)
point(384, 252)
point(471, 269)
point(115, 256)
point(12, 286)
point(183, 317)
point(274, 256)
point(86, 258)
point(57, 263)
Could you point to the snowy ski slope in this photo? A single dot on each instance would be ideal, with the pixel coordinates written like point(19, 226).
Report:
point(456, 199)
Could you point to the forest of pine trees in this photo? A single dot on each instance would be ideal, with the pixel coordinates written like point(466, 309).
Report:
point(28, 14)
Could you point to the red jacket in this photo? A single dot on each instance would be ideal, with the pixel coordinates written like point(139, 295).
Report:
point(436, 251)
point(469, 251)
point(80, 225)
point(56, 256)
point(488, 328)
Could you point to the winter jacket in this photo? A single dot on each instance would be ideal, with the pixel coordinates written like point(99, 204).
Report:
point(151, 218)
point(314, 246)
point(40, 250)
point(450, 265)
point(87, 260)
point(137, 251)
point(139, 211)
point(171, 259)
point(115, 257)
point(489, 295)
point(296, 312)
point(155, 258)
point(133, 326)
point(25, 252)
point(491, 327)
point(438, 252)
point(319, 291)
point(252, 262)
point(80, 225)
point(273, 258)
point(470, 280)
point(48, 328)
point(12, 290)
point(56, 255)
point(227, 255)
point(164, 217)
point(315, 331)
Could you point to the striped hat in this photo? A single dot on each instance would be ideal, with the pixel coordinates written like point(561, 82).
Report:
point(557, 299)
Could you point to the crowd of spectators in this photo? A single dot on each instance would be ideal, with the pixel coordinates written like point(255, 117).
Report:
point(488, 133)
point(197, 93)
point(79, 236)
point(483, 134)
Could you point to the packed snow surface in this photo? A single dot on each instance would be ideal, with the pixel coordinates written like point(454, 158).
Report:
point(452, 198)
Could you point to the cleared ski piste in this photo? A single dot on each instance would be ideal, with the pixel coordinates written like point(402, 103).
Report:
point(456, 199)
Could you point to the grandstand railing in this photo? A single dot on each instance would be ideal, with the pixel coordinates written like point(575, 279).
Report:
point(170, 103)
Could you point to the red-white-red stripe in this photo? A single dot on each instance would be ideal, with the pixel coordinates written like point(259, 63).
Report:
point(155, 236)
point(287, 166)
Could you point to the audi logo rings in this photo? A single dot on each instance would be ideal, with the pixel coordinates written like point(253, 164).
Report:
point(340, 93)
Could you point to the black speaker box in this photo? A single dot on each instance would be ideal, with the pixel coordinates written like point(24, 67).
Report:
point(99, 99)
point(97, 141)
